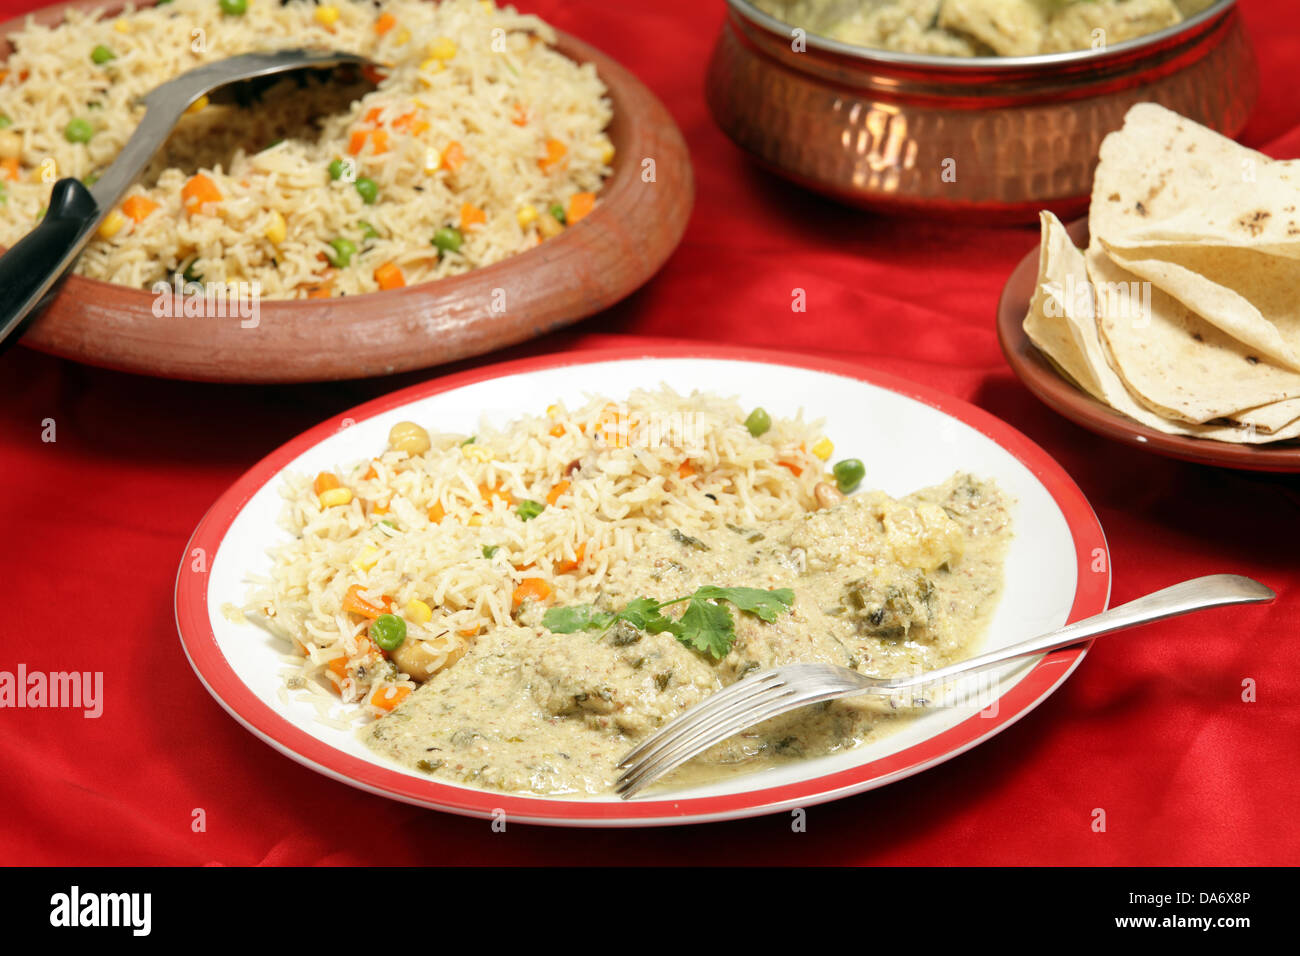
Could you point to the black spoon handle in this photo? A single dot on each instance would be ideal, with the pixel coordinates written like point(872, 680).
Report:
point(31, 269)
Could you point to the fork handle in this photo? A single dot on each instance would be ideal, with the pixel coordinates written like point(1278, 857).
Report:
point(1214, 590)
point(30, 270)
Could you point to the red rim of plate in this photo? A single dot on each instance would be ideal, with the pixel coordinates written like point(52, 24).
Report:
point(1092, 592)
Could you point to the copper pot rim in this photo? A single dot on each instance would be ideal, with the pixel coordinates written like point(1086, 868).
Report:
point(957, 66)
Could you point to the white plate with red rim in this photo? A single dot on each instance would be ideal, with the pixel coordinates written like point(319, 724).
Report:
point(909, 436)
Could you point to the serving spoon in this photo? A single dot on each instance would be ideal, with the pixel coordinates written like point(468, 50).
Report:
point(33, 267)
point(770, 693)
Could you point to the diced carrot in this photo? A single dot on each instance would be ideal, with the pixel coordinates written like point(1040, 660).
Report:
point(356, 604)
point(385, 23)
point(198, 192)
point(387, 698)
point(685, 469)
point(324, 289)
point(437, 513)
point(564, 567)
point(453, 157)
point(410, 123)
point(300, 646)
point(795, 470)
point(496, 491)
point(557, 431)
point(521, 115)
point(554, 494)
point(471, 215)
point(339, 666)
point(373, 114)
point(9, 169)
point(4, 75)
point(378, 509)
point(389, 276)
point(534, 588)
point(468, 631)
point(555, 151)
point(579, 205)
point(324, 482)
point(370, 474)
point(378, 141)
point(609, 426)
point(138, 207)
point(357, 141)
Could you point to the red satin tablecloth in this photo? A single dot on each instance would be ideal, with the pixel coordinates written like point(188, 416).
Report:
point(1152, 728)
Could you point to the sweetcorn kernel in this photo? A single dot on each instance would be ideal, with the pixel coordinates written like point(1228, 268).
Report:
point(367, 559)
point(527, 215)
point(823, 449)
point(335, 496)
point(442, 48)
point(418, 611)
point(198, 104)
point(327, 16)
point(111, 225)
point(478, 453)
point(276, 230)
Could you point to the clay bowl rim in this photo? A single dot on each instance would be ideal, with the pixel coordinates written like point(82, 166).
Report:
point(1040, 62)
point(1041, 377)
point(639, 119)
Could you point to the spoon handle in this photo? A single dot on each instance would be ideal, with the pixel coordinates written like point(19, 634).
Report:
point(31, 269)
point(1214, 590)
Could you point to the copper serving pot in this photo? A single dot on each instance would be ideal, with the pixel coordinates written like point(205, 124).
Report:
point(998, 137)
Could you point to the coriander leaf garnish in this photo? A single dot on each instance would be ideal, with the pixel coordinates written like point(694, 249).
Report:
point(705, 625)
point(765, 604)
point(580, 617)
point(643, 614)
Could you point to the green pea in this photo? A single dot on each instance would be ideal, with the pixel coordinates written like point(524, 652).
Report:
point(557, 213)
point(78, 131)
point(191, 274)
point(448, 239)
point(5, 121)
point(468, 441)
point(758, 422)
point(90, 180)
point(102, 54)
point(4, 194)
point(337, 169)
point(849, 474)
point(490, 549)
point(388, 631)
point(344, 250)
point(368, 189)
point(367, 231)
point(529, 509)
point(234, 8)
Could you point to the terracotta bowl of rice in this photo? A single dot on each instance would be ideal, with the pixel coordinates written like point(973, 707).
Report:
point(492, 179)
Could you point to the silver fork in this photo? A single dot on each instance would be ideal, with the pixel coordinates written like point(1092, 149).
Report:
point(32, 268)
point(768, 694)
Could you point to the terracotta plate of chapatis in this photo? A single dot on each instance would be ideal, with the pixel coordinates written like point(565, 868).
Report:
point(1170, 318)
